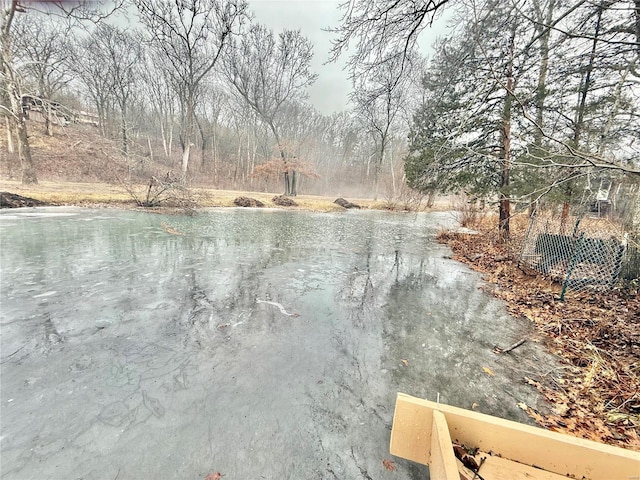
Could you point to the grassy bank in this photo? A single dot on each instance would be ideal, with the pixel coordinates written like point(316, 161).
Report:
point(108, 195)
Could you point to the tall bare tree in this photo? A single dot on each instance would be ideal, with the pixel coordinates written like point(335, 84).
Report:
point(267, 73)
point(378, 98)
point(40, 43)
point(12, 91)
point(190, 35)
point(122, 54)
point(90, 64)
point(157, 89)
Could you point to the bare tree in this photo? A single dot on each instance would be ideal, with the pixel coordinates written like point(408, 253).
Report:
point(382, 31)
point(41, 46)
point(122, 55)
point(190, 35)
point(90, 63)
point(12, 92)
point(81, 11)
point(157, 89)
point(267, 73)
point(379, 98)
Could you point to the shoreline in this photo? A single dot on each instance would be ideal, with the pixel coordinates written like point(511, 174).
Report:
point(103, 195)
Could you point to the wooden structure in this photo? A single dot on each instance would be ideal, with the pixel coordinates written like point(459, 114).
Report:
point(426, 432)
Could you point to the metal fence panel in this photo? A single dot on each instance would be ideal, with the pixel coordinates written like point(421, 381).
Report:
point(581, 252)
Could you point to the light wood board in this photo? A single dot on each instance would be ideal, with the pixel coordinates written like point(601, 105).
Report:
point(411, 438)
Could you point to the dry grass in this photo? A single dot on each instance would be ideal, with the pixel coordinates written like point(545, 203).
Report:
point(67, 193)
point(104, 194)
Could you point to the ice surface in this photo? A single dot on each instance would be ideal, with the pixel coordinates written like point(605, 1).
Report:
point(131, 352)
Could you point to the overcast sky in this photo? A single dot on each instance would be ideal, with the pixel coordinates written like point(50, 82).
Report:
point(329, 93)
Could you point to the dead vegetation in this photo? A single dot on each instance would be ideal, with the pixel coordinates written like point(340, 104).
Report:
point(167, 191)
point(284, 201)
point(248, 202)
point(597, 337)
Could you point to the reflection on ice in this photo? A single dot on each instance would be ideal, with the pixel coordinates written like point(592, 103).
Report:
point(45, 294)
point(150, 354)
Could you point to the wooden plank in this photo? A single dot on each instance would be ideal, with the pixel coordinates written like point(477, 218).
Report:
point(551, 451)
point(497, 468)
point(411, 430)
point(442, 465)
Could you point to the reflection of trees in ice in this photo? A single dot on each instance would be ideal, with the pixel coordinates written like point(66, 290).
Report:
point(165, 333)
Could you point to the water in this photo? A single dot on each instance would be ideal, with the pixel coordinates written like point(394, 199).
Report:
point(134, 346)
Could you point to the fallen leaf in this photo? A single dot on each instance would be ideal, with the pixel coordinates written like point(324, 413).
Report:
point(488, 371)
point(405, 362)
point(389, 465)
point(523, 406)
point(470, 462)
point(616, 416)
point(561, 408)
point(214, 476)
point(459, 451)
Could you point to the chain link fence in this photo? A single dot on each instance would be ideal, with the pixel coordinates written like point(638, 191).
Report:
point(583, 252)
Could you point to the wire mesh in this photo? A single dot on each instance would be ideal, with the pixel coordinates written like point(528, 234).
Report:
point(580, 252)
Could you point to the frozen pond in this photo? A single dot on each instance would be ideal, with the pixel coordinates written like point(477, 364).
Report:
point(138, 345)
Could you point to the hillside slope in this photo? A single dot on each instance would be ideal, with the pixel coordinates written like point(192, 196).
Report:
point(78, 153)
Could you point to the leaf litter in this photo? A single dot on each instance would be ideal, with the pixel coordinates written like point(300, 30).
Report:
point(597, 338)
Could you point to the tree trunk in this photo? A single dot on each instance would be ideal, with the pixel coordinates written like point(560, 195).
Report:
point(294, 183)
point(10, 147)
point(164, 139)
point(24, 152)
point(15, 98)
point(46, 110)
point(150, 149)
point(46, 107)
point(505, 147)
point(20, 126)
point(376, 176)
point(541, 90)
point(102, 122)
point(123, 132)
point(239, 156)
point(582, 105)
point(287, 182)
point(637, 2)
point(214, 152)
point(287, 179)
point(203, 145)
point(188, 127)
point(393, 170)
point(378, 167)
point(185, 158)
